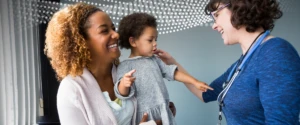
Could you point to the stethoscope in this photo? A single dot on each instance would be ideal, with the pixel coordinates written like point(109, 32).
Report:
point(237, 69)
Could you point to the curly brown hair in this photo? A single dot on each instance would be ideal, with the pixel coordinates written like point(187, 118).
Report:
point(66, 40)
point(133, 25)
point(250, 13)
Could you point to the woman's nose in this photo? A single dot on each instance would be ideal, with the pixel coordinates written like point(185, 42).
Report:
point(115, 35)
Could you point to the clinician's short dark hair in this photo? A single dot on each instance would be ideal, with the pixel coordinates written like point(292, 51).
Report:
point(250, 13)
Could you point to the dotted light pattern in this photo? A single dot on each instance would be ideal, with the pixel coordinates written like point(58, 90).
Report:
point(172, 15)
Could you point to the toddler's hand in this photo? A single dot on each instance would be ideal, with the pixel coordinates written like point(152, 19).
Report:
point(127, 79)
point(202, 86)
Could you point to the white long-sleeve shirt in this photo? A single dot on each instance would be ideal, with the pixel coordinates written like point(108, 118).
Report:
point(80, 101)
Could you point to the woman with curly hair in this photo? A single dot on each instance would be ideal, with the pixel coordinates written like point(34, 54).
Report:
point(263, 86)
point(81, 44)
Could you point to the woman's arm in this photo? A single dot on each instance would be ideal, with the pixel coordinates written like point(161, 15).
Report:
point(69, 113)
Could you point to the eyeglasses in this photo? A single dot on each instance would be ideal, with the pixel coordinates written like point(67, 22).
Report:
point(214, 13)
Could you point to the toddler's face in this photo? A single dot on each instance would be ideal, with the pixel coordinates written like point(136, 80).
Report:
point(147, 42)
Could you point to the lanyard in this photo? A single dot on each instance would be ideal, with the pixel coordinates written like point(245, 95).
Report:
point(236, 70)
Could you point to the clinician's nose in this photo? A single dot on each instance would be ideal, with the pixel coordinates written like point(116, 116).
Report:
point(214, 26)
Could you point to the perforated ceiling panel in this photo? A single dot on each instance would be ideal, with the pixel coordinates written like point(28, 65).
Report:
point(172, 15)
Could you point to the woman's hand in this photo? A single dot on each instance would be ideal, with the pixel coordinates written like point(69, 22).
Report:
point(165, 56)
point(145, 117)
point(172, 108)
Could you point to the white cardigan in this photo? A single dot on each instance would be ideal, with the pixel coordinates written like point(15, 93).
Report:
point(80, 101)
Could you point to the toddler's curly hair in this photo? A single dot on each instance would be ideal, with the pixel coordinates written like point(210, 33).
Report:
point(133, 25)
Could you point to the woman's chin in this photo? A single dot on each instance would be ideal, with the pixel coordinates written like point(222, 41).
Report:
point(117, 54)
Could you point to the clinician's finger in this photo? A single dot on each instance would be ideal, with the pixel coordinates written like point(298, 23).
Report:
point(157, 51)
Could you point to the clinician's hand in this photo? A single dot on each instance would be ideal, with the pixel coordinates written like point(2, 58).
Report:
point(145, 117)
point(165, 56)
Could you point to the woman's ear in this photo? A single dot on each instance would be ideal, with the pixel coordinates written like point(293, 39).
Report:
point(132, 41)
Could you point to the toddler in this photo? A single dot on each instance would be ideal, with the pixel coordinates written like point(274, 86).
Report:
point(138, 33)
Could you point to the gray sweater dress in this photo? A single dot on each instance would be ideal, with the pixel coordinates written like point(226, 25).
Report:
point(149, 87)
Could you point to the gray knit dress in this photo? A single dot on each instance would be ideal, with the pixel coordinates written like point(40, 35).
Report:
point(149, 88)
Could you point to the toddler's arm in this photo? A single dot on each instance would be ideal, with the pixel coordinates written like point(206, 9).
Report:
point(125, 83)
point(123, 86)
point(185, 78)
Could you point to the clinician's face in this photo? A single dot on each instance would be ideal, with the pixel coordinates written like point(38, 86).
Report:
point(223, 25)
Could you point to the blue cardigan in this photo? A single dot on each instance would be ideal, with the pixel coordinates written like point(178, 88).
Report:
point(267, 90)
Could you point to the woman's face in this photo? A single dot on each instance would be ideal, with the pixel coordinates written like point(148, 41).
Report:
point(224, 26)
point(102, 38)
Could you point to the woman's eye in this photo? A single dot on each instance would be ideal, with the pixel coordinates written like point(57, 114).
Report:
point(104, 31)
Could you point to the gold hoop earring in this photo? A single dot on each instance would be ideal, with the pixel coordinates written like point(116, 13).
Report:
point(117, 62)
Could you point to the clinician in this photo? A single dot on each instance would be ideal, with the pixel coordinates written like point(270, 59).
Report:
point(263, 86)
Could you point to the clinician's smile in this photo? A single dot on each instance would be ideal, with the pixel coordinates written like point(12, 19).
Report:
point(221, 31)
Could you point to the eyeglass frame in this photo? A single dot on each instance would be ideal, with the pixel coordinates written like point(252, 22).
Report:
point(218, 10)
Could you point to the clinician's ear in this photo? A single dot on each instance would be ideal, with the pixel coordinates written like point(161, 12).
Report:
point(132, 41)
